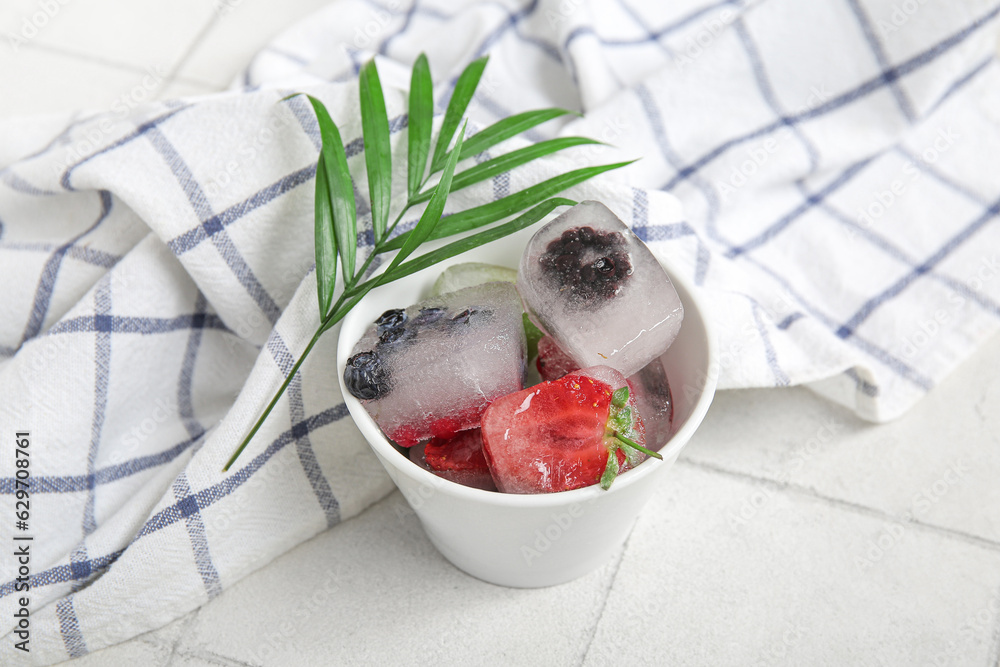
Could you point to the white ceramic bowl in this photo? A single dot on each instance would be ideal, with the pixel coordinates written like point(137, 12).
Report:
point(529, 541)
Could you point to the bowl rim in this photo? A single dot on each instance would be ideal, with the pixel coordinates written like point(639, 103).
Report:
point(388, 453)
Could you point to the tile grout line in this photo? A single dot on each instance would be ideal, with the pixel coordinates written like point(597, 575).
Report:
point(181, 636)
point(215, 658)
point(167, 79)
point(607, 594)
point(994, 659)
point(195, 43)
point(969, 538)
point(97, 60)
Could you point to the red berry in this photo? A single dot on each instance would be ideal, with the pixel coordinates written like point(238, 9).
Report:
point(445, 427)
point(554, 436)
point(459, 459)
point(461, 452)
point(404, 436)
point(553, 362)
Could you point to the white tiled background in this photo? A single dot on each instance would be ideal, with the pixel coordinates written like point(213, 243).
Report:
point(789, 533)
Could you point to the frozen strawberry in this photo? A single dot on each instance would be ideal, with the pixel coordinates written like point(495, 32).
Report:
point(553, 362)
point(459, 459)
point(579, 430)
point(649, 387)
point(461, 452)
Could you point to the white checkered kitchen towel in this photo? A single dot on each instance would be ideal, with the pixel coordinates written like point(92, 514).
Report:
point(837, 161)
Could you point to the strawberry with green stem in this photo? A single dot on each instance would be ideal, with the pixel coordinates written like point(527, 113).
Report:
point(621, 424)
point(569, 433)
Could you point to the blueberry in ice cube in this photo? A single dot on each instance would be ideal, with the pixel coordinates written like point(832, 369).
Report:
point(366, 376)
point(391, 319)
point(442, 361)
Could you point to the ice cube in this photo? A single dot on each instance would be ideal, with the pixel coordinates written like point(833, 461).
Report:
point(469, 274)
point(592, 285)
point(553, 362)
point(652, 395)
point(431, 369)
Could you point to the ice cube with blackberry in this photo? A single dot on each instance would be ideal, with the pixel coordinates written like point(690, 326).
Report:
point(591, 284)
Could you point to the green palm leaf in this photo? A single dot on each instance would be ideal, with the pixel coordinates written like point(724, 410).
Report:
point(507, 128)
point(326, 242)
point(474, 241)
point(507, 162)
point(421, 118)
point(378, 158)
point(341, 188)
point(336, 228)
point(509, 205)
point(465, 88)
point(432, 214)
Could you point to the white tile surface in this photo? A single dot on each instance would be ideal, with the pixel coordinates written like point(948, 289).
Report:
point(141, 34)
point(242, 28)
point(388, 594)
point(938, 464)
point(23, 20)
point(800, 583)
point(59, 82)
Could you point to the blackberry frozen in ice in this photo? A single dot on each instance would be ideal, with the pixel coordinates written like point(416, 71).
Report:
point(598, 291)
point(586, 265)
